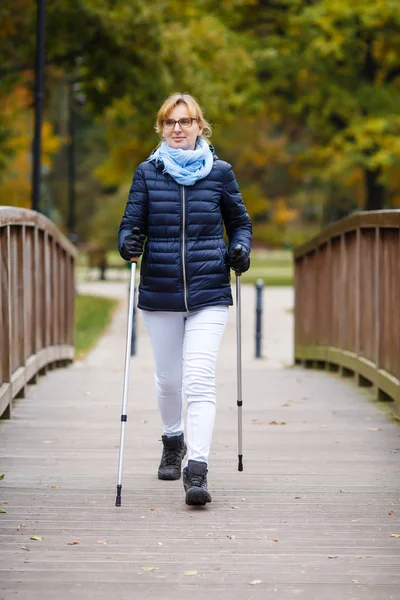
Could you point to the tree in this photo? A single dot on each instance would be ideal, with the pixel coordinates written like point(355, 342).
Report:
point(333, 66)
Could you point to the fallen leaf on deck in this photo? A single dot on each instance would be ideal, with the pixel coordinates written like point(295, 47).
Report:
point(391, 512)
point(297, 497)
point(275, 539)
point(159, 544)
point(148, 569)
point(73, 543)
point(55, 487)
point(105, 542)
point(2, 511)
point(255, 582)
point(235, 507)
point(355, 581)
point(395, 535)
point(36, 538)
point(190, 573)
point(154, 509)
point(231, 537)
point(332, 556)
point(24, 548)
point(19, 528)
point(374, 429)
point(1, 476)
point(4, 502)
point(277, 423)
point(48, 442)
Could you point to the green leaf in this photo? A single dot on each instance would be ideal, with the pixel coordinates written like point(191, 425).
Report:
point(36, 538)
point(1, 476)
point(3, 511)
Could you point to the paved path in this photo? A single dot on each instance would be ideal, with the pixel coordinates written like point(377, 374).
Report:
point(314, 515)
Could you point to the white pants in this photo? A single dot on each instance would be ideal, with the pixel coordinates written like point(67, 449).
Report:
point(185, 348)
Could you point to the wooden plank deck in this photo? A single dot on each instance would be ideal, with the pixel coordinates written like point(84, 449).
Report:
point(314, 515)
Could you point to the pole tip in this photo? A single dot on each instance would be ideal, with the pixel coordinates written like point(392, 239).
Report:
point(240, 465)
point(118, 498)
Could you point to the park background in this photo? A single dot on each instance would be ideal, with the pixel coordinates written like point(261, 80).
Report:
point(303, 97)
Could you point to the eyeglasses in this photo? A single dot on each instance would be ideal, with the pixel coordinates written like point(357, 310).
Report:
point(184, 123)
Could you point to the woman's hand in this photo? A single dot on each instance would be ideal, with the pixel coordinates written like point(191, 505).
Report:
point(239, 259)
point(132, 246)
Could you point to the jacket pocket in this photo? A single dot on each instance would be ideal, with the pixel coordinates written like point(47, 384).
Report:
point(224, 257)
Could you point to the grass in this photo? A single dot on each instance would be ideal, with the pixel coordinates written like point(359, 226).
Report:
point(92, 315)
point(274, 267)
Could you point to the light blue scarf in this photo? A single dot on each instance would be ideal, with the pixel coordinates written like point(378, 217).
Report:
point(185, 166)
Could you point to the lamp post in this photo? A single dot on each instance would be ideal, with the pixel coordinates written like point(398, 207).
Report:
point(39, 94)
point(71, 166)
point(76, 100)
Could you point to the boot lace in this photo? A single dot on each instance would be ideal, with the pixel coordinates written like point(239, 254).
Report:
point(196, 480)
point(172, 456)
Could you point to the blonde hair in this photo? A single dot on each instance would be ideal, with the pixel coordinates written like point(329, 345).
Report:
point(194, 111)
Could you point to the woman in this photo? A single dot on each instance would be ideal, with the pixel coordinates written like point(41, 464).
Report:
point(179, 200)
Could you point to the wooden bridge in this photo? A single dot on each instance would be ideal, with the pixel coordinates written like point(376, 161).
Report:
point(315, 513)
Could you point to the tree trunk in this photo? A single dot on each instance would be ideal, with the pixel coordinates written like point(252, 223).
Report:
point(375, 191)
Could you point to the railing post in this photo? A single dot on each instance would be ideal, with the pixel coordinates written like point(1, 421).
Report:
point(5, 306)
point(33, 300)
point(377, 298)
point(357, 295)
point(259, 308)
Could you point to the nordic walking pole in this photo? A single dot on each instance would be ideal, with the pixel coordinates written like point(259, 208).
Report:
point(239, 369)
point(124, 415)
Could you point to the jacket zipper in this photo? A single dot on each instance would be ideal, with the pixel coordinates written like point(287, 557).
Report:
point(183, 247)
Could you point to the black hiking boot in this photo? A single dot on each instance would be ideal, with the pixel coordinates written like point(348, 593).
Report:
point(173, 452)
point(195, 483)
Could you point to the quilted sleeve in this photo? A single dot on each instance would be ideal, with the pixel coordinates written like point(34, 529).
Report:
point(136, 209)
point(236, 219)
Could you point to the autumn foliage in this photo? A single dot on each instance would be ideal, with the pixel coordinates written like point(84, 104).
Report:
point(303, 98)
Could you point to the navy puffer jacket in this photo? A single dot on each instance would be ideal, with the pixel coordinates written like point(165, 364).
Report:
point(184, 264)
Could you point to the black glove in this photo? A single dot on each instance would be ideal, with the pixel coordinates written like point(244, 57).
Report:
point(132, 246)
point(239, 259)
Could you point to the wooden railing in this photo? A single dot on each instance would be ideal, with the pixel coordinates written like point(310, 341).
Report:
point(36, 300)
point(347, 300)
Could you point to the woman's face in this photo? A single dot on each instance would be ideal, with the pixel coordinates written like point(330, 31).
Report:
point(182, 137)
